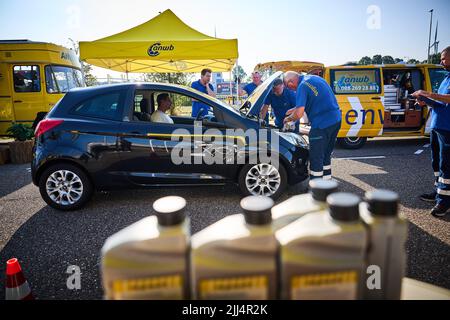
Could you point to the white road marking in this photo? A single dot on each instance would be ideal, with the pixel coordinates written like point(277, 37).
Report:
point(361, 158)
point(418, 151)
point(426, 145)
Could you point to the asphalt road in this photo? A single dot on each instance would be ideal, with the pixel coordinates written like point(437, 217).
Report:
point(47, 241)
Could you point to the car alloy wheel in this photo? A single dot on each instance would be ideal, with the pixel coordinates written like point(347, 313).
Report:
point(263, 179)
point(64, 187)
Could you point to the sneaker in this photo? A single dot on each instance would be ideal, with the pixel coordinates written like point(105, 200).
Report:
point(428, 197)
point(439, 210)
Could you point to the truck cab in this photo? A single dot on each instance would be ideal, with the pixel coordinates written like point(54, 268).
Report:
point(34, 76)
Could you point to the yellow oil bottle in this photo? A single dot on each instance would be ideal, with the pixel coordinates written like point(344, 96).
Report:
point(297, 206)
point(236, 257)
point(148, 259)
point(386, 256)
point(322, 253)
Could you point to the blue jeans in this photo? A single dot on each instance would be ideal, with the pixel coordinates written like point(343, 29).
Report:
point(440, 160)
point(321, 145)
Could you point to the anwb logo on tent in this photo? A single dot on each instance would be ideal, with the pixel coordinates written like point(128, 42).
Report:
point(155, 49)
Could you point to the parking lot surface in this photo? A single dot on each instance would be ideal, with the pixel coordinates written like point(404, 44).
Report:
point(47, 241)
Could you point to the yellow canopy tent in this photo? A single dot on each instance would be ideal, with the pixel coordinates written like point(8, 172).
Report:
point(162, 44)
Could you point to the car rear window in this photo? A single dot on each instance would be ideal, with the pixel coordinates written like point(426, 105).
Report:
point(105, 106)
point(355, 81)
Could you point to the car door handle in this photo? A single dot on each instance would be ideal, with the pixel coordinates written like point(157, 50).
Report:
point(375, 98)
point(17, 101)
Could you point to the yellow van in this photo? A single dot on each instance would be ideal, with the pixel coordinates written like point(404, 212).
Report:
point(374, 98)
point(33, 77)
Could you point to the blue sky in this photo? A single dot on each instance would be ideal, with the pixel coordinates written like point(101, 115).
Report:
point(332, 32)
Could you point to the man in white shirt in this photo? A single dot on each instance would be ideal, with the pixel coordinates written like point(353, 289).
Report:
point(164, 104)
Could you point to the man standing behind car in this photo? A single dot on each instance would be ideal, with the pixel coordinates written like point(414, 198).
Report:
point(280, 99)
point(204, 86)
point(439, 139)
point(249, 88)
point(315, 97)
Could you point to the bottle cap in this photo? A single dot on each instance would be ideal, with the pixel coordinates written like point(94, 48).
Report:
point(343, 206)
point(170, 210)
point(321, 189)
point(257, 209)
point(382, 202)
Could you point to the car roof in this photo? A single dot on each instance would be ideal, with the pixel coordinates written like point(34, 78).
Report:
point(129, 85)
point(75, 95)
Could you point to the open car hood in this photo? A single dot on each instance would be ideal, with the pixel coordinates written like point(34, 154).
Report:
point(256, 99)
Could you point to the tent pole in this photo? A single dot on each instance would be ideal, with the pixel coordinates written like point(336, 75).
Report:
point(237, 82)
point(231, 86)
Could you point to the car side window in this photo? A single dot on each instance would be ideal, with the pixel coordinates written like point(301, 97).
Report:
point(26, 79)
point(181, 104)
point(105, 106)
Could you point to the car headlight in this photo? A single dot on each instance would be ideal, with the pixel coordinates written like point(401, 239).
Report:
point(294, 138)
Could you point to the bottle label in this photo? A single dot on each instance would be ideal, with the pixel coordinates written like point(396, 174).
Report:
point(325, 286)
point(237, 288)
point(158, 288)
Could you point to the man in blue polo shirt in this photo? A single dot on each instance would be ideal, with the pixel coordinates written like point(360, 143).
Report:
point(250, 87)
point(315, 97)
point(204, 86)
point(439, 139)
point(280, 99)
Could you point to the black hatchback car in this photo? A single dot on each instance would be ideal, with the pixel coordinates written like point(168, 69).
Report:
point(101, 138)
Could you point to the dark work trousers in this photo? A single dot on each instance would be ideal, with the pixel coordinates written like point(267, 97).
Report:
point(440, 160)
point(321, 145)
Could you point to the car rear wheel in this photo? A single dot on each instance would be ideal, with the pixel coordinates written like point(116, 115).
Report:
point(263, 179)
point(65, 187)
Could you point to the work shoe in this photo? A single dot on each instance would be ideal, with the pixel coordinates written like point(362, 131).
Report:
point(428, 197)
point(439, 210)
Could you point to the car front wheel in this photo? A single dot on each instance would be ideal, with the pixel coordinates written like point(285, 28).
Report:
point(65, 187)
point(263, 179)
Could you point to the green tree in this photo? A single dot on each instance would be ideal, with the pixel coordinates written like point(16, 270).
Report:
point(398, 60)
point(365, 61)
point(377, 59)
point(89, 78)
point(86, 68)
point(175, 78)
point(413, 61)
point(435, 58)
point(388, 60)
point(239, 73)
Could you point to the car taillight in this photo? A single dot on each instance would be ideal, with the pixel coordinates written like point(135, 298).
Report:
point(46, 125)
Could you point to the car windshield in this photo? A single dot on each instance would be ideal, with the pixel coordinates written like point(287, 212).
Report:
point(60, 79)
point(213, 99)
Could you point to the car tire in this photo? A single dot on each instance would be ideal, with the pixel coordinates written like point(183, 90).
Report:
point(246, 180)
point(65, 187)
point(352, 142)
